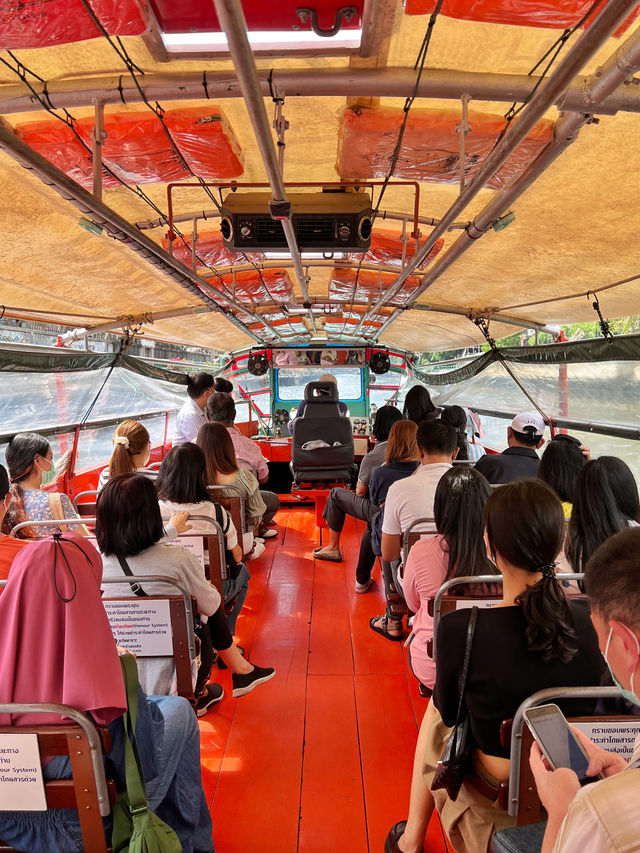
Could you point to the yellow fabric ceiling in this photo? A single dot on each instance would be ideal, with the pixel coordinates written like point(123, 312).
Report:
point(576, 228)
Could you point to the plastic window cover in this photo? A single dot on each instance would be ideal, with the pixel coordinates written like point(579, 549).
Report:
point(431, 147)
point(95, 446)
point(555, 14)
point(603, 393)
point(41, 23)
point(31, 401)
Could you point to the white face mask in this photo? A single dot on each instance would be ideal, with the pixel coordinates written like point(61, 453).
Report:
point(629, 695)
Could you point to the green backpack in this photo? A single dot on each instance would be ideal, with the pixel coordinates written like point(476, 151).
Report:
point(136, 829)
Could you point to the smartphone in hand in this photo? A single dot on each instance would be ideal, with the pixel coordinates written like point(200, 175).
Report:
point(557, 741)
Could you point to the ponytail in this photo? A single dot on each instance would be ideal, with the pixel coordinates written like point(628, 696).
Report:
point(550, 627)
point(525, 525)
point(456, 417)
point(129, 440)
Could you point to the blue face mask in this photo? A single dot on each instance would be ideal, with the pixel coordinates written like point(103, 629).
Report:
point(629, 695)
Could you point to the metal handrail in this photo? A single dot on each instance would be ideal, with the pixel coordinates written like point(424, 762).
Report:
point(184, 592)
point(470, 579)
point(61, 429)
point(614, 430)
point(217, 528)
point(76, 500)
point(540, 698)
point(54, 522)
point(405, 535)
point(85, 724)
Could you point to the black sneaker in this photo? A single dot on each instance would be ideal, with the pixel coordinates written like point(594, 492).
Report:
point(222, 664)
point(243, 684)
point(213, 693)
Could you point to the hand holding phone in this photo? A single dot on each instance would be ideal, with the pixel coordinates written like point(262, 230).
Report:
point(557, 741)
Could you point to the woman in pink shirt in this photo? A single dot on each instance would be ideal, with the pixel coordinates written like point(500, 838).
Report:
point(458, 550)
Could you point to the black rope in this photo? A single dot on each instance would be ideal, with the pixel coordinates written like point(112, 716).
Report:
point(605, 327)
point(57, 547)
point(205, 85)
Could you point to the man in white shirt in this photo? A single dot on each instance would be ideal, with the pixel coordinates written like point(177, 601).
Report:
point(191, 416)
point(408, 500)
point(604, 815)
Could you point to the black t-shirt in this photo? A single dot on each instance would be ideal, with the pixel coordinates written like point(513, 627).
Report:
point(503, 672)
point(514, 463)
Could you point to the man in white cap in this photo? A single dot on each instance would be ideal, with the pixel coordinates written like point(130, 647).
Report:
point(519, 460)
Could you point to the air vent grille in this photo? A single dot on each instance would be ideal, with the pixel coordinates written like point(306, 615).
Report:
point(270, 232)
point(315, 232)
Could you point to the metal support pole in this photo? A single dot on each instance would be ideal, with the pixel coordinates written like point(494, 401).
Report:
point(98, 137)
point(463, 128)
point(233, 23)
point(606, 22)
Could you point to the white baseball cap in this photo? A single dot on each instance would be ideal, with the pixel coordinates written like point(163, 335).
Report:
point(525, 420)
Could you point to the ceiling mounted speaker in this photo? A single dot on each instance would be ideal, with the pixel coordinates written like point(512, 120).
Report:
point(258, 364)
point(380, 362)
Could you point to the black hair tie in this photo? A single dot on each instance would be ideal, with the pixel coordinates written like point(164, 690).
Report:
point(548, 571)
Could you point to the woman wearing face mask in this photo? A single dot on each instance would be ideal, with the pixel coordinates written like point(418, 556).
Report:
point(29, 457)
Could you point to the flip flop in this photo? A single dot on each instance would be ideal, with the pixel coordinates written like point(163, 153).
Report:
point(329, 556)
point(384, 631)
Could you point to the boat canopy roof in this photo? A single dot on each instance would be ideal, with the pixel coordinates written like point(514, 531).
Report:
point(576, 221)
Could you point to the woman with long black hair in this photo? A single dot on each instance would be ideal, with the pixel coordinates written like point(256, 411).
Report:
point(605, 501)
point(533, 639)
point(418, 405)
point(458, 550)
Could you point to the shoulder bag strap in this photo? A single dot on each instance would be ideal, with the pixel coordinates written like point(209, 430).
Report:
point(133, 773)
point(136, 589)
point(467, 655)
point(57, 511)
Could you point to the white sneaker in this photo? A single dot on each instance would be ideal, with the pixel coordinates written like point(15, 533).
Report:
point(256, 551)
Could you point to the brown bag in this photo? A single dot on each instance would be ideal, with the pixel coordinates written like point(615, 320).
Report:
point(57, 511)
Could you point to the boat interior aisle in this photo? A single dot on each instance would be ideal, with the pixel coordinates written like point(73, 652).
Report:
point(320, 760)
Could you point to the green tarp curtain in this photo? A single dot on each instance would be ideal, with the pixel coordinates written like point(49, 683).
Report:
point(623, 348)
point(66, 361)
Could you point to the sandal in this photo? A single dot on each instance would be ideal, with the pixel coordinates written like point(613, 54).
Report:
point(384, 630)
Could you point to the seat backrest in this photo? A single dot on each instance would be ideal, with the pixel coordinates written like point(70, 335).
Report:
point(411, 535)
point(234, 504)
point(88, 791)
point(321, 400)
point(520, 796)
point(333, 460)
point(162, 625)
point(215, 568)
point(85, 508)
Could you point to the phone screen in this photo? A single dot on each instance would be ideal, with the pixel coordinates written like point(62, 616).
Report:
point(558, 741)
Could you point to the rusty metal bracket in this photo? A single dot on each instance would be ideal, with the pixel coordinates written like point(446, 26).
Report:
point(345, 13)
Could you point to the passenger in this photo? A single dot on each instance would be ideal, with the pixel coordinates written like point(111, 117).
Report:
point(534, 640)
point(181, 488)
point(10, 547)
point(223, 386)
point(602, 816)
point(221, 469)
point(191, 416)
point(407, 501)
point(520, 460)
point(605, 501)
point(560, 465)
point(56, 646)
point(342, 502)
point(456, 417)
point(401, 460)
point(128, 532)
point(29, 457)
point(418, 405)
point(221, 409)
point(131, 449)
point(474, 430)
point(458, 550)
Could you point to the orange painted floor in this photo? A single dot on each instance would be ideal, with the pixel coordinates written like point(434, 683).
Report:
point(320, 758)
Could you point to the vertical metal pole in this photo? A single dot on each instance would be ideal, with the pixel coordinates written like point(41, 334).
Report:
point(462, 129)
point(194, 240)
point(98, 137)
point(404, 242)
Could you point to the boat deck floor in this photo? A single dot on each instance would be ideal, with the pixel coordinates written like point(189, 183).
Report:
point(320, 758)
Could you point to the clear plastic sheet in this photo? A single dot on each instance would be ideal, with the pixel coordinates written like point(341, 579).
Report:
point(41, 23)
point(211, 251)
point(32, 401)
point(386, 248)
point(430, 148)
point(137, 149)
point(249, 286)
point(370, 286)
point(555, 14)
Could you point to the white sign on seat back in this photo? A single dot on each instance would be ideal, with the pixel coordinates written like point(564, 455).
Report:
point(482, 603)
point(613, 735)
point(194, 544)
point(21, 782)
point(141, 626)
